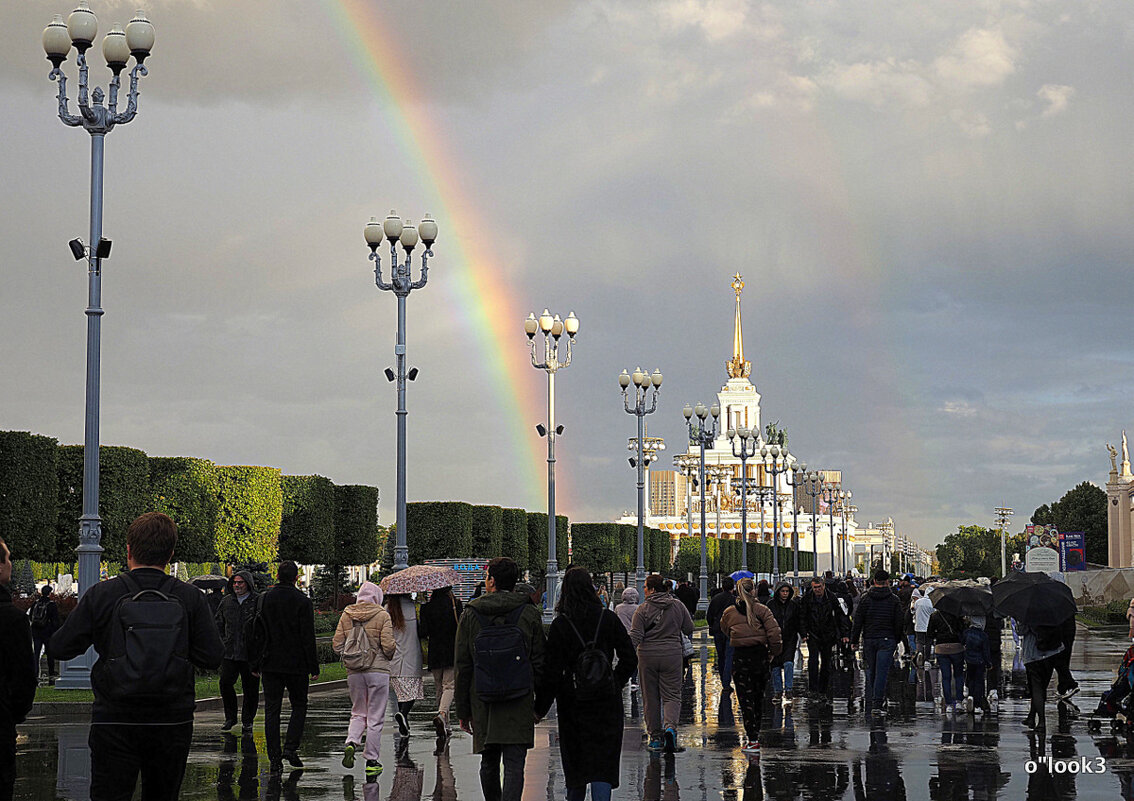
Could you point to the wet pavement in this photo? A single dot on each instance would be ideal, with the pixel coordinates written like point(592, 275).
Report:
point(812, 751)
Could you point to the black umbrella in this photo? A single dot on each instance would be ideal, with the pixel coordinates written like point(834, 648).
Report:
point(1035, 599)
point(209, 582)
point(961, 601)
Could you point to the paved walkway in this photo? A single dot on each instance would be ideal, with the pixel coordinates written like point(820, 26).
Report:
point(812, 752)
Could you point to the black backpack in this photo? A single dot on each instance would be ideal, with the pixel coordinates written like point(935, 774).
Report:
point(593, 677)
point(256, 637)
point(39, 613)
point(147, 661)
point(502, 665)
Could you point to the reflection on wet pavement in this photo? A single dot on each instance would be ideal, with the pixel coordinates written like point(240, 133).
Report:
point(811, 750)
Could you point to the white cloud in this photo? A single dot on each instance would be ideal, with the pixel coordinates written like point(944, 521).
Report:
point(880, 82)
point(1056, 96)
point(718, 19)
point(980, 58)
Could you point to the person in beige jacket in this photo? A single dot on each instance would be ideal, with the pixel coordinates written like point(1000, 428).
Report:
point(755, 638)
point(656, 631)
point(369, 683)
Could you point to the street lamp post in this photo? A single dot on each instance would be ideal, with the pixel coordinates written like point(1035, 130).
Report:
point(552, 329)
point(642, 383)
point(831, 496)
point(796, 478)
point(748, 444)
point(97, 120)
point(703, 433)
point(847, 511)
point(775, 462)
point(393, 230)
point(813, 486)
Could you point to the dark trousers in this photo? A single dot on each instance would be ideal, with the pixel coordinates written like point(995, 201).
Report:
point(819, 666)
point(750, 674)
point(274, 686)
point(120, 752)
point(7, 761)
point(1039, 677)
point(1061, 663)
point(39, 645)
point(513, 757)
point(974, 679)
point(877, 657)
point(230, 670)
point(724, 659)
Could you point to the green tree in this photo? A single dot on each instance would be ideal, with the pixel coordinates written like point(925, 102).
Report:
point(307, 528)
point(249, 511)
point(970, 552)
point(186, 489)
point(123, 494)
point(29, 494)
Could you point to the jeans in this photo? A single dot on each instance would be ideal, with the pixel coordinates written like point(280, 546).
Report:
point(724, 659)
point(513, 756)
point(782, 676)
point(120, 752)
point(952, 676)
point(230, 669)
point(600, 791)
point(274, 686)
point(877, 656)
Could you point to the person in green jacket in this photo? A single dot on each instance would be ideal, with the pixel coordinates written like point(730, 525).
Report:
point(501, 730)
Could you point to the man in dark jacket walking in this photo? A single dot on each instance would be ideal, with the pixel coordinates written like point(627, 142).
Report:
point(17, 675)
point(688, 595)
point(718, 603)
point(44, 616)
point(142, 718)
point(281, 649)
point(822, 624)
point(233, 614)
point(501, 730)
point(880, 621)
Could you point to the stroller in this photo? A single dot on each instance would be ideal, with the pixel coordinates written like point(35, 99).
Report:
point(1117, 703)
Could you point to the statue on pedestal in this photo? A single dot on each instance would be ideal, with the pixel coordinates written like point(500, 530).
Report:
point(1113, 456)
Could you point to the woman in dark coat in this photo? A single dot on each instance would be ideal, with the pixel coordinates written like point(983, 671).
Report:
point(590, 732)
point(785, 608)
point(437, 624)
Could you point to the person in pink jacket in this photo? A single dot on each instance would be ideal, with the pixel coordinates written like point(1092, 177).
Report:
point(368, 672)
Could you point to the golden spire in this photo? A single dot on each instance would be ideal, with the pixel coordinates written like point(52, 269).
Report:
point(737, 367)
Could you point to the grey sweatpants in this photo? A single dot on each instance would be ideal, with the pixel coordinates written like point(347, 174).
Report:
point(660, 679)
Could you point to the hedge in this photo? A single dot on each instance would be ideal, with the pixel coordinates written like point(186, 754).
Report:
point(29, 494)
point(439, 530)
point(515, 536)
point(537, 544)
point(487, 531)
point(356, 525)
point(307, 526)
point(123, 494)
point(658, 551)
point(186, 489)
point(595, 547)
point(249, 511)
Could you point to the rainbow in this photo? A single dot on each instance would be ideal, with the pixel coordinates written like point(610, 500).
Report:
point(474, 288)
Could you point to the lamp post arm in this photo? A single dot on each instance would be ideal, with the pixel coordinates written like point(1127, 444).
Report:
point(374, 257)
point(132, 97)
point(566, 362)
point(653, 403)
point(536, 363)
point(64, 114)
point(418, 284)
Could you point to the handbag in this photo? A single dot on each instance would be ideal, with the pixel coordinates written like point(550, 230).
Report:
point(686, 645)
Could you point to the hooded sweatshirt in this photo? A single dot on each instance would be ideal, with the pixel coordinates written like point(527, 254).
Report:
point(369, 612)
point(233, 614)
point(787, 616)
point(658, 624)
point(629, 605)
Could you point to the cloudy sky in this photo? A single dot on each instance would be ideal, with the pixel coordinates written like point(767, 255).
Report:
point(930, 204)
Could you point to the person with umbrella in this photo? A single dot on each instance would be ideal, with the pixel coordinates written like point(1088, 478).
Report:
point(944, 631)
point(1041, 607)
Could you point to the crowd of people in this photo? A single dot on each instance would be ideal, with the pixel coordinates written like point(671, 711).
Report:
point(490, 658)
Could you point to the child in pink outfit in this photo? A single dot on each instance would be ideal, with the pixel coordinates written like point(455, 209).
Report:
point(369, 685)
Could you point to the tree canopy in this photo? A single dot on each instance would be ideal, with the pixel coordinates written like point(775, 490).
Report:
point(1080, 509)
point(973, 551)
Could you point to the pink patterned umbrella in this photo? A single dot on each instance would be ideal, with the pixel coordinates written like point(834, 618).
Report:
point(419, 578)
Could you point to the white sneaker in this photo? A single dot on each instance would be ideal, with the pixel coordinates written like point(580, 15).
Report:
point(993, 703)
point(1067, 696)
point(969, 705)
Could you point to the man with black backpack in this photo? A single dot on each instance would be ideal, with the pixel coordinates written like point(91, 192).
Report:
point(144, 694)
point(44, 616)
point(499, 658)
point(281, 650)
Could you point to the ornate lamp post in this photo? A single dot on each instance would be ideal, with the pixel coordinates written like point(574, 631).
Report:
point(392, 229)
point(744, 449)
point(813, 486)
point(848, 511)
point(831, 496)
point(642, 383)
point(552, 329)
point(97, 120)
point(775, 462)
point(703, 433)
point(687, 464)
point(796, 478)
